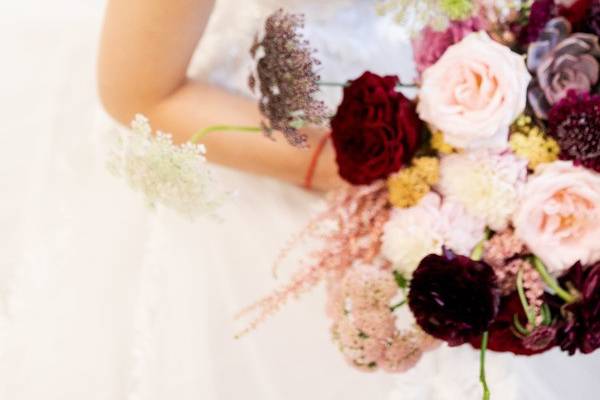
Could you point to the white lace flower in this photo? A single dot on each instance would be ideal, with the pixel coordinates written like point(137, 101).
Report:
point(486, 183)
point(413, 233)
point(175, 176)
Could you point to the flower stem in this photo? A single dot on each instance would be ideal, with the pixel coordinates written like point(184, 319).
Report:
point(523, 298)
point(397, 306)
point(222, 128)
point(551, 282)
point(482, 377)
point(342, 84)
point(332, 84)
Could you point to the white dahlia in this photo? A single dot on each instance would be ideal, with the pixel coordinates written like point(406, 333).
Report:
point(486, 183)
point(413, 233)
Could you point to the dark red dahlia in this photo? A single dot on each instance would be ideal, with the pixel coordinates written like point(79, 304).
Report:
point(542, 11)
point(502, 333)
point(593, 18)
point(579, 328)
point(454, 298)
point(375, 131)
point(577, 12)
point(575, 124)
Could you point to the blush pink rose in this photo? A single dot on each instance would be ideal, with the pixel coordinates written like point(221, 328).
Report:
point(559, 216)
point(474, 92)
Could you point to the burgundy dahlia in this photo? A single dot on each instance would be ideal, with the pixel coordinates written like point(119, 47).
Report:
point(593, 18)
point(575, 124)
point(580, 326)
point(502, 332)
point(542, 338)
point(454, 298)
point(375, 131)
point(576, 12)
point(542, 11)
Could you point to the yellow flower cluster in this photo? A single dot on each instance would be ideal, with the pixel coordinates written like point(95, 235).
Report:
point(530, 142)
point(407, 187)
point(438, 144)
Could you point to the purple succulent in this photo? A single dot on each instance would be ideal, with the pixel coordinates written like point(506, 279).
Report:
point(561, 62)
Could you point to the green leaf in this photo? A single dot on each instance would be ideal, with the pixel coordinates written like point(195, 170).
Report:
point(401, 281)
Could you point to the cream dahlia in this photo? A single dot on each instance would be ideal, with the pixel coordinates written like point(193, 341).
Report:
point(486, 183)
point(413, 233)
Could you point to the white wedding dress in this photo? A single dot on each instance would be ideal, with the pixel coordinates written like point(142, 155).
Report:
point(104, 299)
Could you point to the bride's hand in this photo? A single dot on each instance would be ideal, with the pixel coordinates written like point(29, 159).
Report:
point(145, 52)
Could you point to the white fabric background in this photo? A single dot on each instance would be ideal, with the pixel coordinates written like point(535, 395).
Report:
point(47, 96)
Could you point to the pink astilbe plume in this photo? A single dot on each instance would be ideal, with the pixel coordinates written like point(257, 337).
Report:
point(358, 215)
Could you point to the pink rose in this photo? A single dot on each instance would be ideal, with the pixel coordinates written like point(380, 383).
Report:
point(474, 92)
point(559, 215)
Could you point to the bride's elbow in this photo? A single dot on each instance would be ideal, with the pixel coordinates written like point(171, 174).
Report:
point(121, 100)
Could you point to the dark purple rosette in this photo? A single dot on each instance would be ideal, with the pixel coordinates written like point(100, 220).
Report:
point(503, 335)
point(542, 11)
point(376, 130)
point(454, 298)
point(575, 125)
point(593, 18)
point(561, 62)
point(579, 328)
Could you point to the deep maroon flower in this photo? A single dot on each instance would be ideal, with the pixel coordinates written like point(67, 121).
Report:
point(593, 18)
point(576, 12)
point(502, 332)
point(575, 124)
point(542, 11)
point(375, 131)
point(454, 298)
point(542, 338)
point(580, 325)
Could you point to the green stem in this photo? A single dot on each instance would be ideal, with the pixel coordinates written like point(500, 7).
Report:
point(332, 84)
point(397, 306)
point(482, 377)
point(523, 298)
point(222, 128)
point(477, 253)
point(340, 84)
point(551, 282)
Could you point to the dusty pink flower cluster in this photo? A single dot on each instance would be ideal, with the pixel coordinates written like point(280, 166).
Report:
point(364, 323)
point(503, 252)
point(359, 214)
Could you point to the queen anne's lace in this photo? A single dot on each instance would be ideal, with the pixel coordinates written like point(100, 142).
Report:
point(175, 176)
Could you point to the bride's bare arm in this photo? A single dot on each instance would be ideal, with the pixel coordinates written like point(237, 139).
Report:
point(144, 55)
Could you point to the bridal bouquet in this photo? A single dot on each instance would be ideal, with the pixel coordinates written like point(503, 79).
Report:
point(476, 206)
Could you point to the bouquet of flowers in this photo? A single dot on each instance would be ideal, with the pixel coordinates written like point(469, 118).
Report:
point(475, 205)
